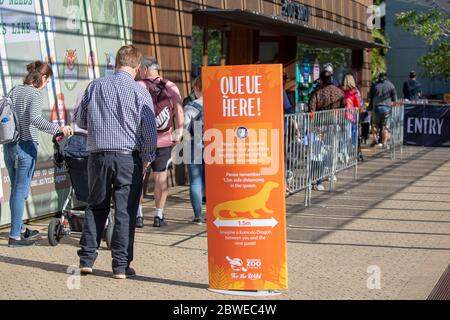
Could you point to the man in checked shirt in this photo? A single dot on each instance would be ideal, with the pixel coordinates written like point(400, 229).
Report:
point(118, 114)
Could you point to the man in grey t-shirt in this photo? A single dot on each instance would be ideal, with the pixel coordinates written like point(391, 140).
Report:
point(381, 96)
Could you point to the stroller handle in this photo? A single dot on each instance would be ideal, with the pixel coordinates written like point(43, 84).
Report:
point(60, 134)
point(56, 136)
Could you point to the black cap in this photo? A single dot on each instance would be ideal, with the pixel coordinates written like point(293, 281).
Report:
point(383, 76)
point(412, 74)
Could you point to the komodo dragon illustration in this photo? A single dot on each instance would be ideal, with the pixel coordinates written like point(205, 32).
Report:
point(249, 204)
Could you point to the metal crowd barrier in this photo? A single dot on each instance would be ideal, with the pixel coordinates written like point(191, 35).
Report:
point(318, 146)
point(397, 130)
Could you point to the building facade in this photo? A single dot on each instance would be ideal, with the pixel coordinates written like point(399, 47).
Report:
point(250, 31)
point(81, 38)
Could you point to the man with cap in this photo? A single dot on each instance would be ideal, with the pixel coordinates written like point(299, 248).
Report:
point(170, 123)
point(328, 67)
point(412, 89)
point(382, 95)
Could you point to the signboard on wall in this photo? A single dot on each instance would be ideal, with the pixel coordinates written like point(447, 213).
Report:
point(295, 12)
point(243, 109)
point(427, 126)
point(82, 42)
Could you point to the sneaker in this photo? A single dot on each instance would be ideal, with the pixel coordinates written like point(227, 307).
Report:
point(319, 187)
point(86, 270)
point(129, 273)
point(13, 243)
point(380, 145)
point(158, 222)
point(30, 235)
point(198, 221)
point(373, 144)
point(140, 222)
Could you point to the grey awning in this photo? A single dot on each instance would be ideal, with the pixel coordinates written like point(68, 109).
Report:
point(279, 25)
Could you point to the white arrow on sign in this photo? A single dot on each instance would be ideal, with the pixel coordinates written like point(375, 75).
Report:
point(246, 223)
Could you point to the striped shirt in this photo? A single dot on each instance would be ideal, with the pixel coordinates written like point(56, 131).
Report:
point(28, 101)
point(118, 115)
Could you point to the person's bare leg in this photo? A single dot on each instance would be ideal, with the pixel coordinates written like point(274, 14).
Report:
point(386, 136)
point(161, 189)
point(375, 136)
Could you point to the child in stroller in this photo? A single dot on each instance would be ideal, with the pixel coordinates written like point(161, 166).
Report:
point(72, 152)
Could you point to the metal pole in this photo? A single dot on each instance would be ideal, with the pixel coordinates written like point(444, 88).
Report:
point(308, 161)
point(334, 149)
point(355, 177)
point(402, 119)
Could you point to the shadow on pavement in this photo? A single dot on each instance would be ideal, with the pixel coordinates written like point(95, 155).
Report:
point(314, 236)
point(59, 268)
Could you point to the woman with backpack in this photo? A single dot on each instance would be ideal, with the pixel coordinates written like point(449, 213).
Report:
point(21, 156)
point(193, 123)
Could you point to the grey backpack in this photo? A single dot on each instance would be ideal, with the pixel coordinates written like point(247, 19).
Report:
point(9, 125)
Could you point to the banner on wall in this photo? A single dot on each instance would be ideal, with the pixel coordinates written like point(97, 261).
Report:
point(427, 126)
point(31, 30)
point(19, 23)
point(243, 119)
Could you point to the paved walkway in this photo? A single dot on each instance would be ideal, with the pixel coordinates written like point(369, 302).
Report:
point(396, 218)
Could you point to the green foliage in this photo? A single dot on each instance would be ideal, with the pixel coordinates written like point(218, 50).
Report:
point(379, 55)
point(214, 46)
point(434, 27)
point(436, 62)
point(340, 58)
point(378, 64)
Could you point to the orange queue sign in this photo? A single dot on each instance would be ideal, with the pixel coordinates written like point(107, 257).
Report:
point(245, 185)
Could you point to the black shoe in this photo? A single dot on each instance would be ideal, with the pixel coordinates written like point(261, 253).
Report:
point(13, 243)
point(199, 221)
point(158, 222)
point(129, 273)
point(30, 235)
point(140, 222)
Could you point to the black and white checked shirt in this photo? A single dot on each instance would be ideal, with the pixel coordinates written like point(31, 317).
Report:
point(27, 101)
point(118, 115)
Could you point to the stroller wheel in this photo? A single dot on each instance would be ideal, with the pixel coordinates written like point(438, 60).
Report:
point(54, 232)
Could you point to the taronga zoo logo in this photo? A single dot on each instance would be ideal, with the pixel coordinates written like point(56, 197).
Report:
point(71, 70)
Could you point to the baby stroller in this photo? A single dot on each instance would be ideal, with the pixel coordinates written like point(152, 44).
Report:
point(73, 153)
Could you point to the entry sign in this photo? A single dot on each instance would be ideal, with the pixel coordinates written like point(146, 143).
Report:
point(245, 188)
